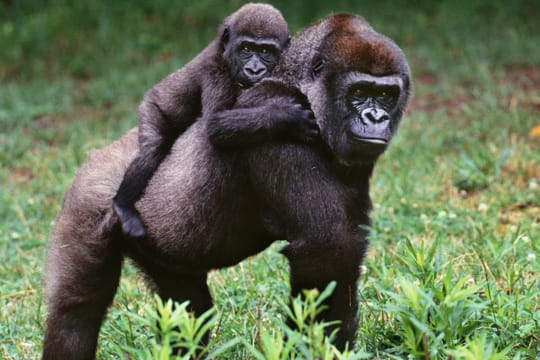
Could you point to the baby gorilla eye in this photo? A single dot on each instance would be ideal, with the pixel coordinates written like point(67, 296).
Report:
point(246, 48)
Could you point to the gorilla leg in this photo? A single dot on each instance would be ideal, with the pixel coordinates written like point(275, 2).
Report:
point(82, 279)
point(314, 265)
point(325, 242)
point(183, 287)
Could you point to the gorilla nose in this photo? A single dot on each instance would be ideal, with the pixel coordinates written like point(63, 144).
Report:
point(374, 116)
point(255, 71)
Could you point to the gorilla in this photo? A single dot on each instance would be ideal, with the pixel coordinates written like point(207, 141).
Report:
point(220, 196)
point(246, 50)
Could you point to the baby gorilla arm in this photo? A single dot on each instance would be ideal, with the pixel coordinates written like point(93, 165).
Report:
point(284, 117)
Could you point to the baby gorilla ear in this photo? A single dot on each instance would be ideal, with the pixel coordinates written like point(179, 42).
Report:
point(286, 43)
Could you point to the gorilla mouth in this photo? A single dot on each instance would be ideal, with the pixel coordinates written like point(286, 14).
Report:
point(377, 141)
point(367, 137)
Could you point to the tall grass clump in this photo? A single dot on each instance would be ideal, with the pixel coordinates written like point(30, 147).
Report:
point(173, 332)
point(430, 309)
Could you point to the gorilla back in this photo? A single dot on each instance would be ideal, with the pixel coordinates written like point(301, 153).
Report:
point(207, 208)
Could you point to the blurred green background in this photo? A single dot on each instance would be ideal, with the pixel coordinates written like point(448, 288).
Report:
point(461, 178)
point(88, 39)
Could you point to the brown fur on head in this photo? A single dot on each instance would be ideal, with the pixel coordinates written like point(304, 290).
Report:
point(256, 20)
point(367, 52)
point(359, 46)
point(348, 23)
point(309, 42)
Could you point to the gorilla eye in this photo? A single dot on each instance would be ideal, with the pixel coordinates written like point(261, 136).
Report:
point(360, 92)
point(388, 95)
point(246, 48)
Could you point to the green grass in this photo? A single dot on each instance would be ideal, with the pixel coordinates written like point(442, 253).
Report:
point(455, 246)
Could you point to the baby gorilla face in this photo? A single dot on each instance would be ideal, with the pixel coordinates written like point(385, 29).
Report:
point(251, 59)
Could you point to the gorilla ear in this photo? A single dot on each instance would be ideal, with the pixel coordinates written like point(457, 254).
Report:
point(225, 35)
point(317, 66)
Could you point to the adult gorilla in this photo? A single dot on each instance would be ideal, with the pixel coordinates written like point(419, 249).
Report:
point(207, 208)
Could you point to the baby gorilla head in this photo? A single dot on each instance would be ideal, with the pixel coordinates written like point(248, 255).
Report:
point(252, 39)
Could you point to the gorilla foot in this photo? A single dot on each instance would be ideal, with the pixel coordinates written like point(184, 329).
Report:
point(132, 225)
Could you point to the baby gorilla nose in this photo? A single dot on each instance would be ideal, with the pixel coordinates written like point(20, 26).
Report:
point(254, 70)
point(374, 116)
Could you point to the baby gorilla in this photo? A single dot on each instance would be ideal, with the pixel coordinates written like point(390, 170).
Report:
point(246, 50)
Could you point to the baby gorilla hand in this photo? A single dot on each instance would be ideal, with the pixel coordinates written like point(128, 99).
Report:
point(297, 124)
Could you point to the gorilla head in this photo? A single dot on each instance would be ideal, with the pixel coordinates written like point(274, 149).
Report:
point(361, 78)
point(252, 39)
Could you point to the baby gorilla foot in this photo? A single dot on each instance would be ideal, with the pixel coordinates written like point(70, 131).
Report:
point(132, 225)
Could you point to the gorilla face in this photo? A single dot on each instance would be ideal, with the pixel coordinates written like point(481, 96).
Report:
point(251, 59)
point(363, 98)
point(369, 105)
